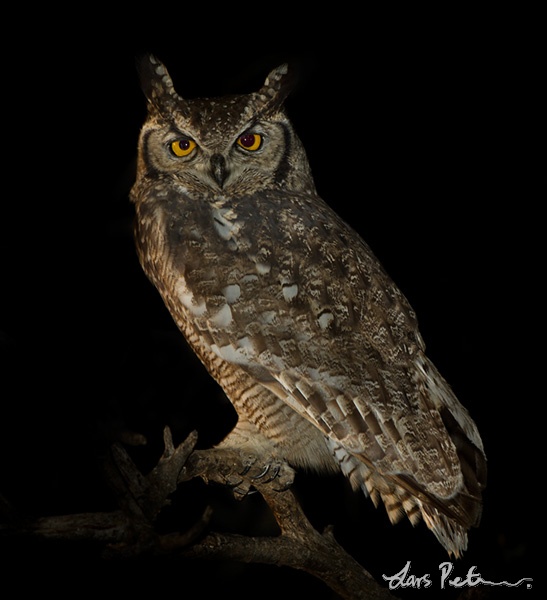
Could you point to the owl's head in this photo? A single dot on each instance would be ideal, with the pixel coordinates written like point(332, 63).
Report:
point(232, 145)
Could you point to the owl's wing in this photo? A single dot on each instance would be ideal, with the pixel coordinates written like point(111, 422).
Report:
point(306, 309)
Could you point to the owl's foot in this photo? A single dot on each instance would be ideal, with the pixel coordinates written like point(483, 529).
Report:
point(268, 473)
point(243, 472)
point(255, 473)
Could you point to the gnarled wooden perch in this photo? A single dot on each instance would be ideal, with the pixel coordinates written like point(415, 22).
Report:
point(130, 531)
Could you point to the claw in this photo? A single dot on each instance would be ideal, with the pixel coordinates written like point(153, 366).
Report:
point(274, 472)
point(264, 471)
point(233, 481)
point(244, 492)
point(247, 464)
point(246, 469)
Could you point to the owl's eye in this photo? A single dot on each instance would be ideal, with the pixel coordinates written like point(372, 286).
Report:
point(182, 147)
point(250, 141)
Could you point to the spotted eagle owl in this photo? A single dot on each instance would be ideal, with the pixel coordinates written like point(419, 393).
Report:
point(290, 311)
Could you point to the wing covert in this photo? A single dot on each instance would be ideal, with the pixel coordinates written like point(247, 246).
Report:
point(308, 311)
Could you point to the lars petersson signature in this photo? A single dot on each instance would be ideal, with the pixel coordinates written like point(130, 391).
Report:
point(405, 579)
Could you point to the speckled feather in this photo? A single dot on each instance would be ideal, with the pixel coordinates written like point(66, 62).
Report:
point(290, 311)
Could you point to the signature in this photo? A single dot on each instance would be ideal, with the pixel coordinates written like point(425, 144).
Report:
point(405, 579)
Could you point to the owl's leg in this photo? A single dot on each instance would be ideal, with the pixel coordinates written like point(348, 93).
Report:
point(253, 459)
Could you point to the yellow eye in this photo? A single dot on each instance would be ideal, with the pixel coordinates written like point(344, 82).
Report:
point(182, 147)
point(250, 141)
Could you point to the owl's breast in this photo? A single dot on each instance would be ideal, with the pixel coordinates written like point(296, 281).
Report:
point(215, 239)
point(253, 273)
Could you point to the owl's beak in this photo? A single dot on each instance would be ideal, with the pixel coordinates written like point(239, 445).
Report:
point(218, 169)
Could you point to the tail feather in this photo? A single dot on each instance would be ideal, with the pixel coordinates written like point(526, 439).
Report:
point(450, 534)
point(448, 519)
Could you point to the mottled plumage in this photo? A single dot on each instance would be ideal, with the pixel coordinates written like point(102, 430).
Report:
point(290, 311)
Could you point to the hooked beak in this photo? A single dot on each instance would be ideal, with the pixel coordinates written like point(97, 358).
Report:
point(218, 169)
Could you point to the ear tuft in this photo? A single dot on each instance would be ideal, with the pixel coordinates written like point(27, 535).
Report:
point(156, 83)
point(275, 90)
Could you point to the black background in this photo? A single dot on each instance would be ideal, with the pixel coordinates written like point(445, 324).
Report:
point(421, 132)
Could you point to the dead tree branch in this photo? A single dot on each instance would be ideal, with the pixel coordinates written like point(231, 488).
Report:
point(130, 531)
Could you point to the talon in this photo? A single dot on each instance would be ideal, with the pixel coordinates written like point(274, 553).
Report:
point(244, 492)
point(246, 469)
point(274, 473)
point(233, 482)
point(277, 468)
point(247, 464)
point(264, 471)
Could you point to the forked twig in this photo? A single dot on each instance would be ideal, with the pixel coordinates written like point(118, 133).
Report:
point(130, 531)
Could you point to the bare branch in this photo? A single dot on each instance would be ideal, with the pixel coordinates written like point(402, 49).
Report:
point(98, 527)
point(300, 545)
point(130, 531)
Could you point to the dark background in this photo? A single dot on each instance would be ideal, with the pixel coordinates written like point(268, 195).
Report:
point(421, 132)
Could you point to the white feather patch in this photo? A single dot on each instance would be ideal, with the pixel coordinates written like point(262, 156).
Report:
point(188, 300)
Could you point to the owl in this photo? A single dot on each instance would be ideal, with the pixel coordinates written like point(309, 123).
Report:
point(290, 311)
